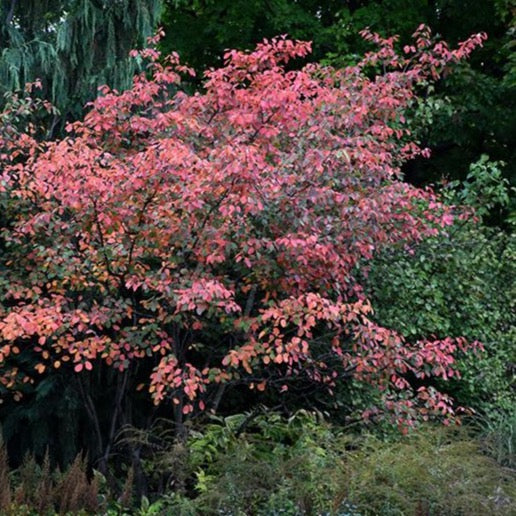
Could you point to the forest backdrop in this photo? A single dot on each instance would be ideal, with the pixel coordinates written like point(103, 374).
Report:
point(250, 233)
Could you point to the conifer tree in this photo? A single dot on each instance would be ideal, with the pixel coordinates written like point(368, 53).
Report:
point(73, 46)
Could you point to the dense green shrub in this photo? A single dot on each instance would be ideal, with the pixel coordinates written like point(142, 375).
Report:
point(462, 284)
point(264, 464)
point(436, 471)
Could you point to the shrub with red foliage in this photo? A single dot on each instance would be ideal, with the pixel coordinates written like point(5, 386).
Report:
point(217, 233)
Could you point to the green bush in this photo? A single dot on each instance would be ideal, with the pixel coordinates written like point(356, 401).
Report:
point(460, 284)
point(437, 471)
point(266, 464)
point(263, 464)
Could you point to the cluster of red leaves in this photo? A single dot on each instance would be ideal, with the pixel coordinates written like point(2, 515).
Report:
point(217, 233)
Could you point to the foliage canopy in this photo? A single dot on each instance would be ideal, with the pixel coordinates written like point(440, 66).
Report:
point(217, 233)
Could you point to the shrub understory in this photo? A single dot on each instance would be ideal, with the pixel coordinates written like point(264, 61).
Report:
point(265, 464)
